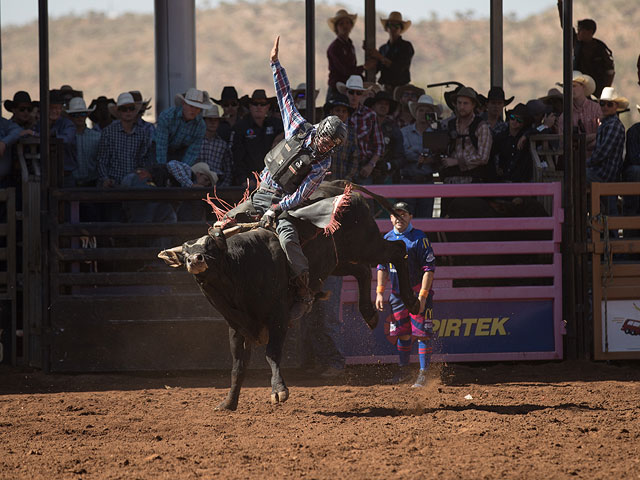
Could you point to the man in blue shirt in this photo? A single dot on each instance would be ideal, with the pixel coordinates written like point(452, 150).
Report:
point(422, 265)
point(180, 130)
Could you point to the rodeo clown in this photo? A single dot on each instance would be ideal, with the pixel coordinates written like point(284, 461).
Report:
point(422, 265)
point(294, 170)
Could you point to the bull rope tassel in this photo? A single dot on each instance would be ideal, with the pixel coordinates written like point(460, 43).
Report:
point(339, 204)
point(220, 212)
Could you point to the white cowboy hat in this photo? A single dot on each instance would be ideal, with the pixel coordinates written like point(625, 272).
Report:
point(610, 94)
point(202, 167)
point(396, 17)
point(638, 107)
point(354, 82)
point(425, 100)
point(124, 98)
point(77, 105)
point(586, 80)
point(340, 14)
point(213, 112)
point(195, 98)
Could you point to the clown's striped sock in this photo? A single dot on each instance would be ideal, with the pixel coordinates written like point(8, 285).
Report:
point(424, 352)
point(404, 350)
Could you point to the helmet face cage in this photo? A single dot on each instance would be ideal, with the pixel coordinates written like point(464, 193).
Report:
point(332, 129)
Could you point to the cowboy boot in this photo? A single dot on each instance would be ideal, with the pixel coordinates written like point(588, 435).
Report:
point(303, 298)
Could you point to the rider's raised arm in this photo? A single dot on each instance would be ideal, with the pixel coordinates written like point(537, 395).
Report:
point(291, 118)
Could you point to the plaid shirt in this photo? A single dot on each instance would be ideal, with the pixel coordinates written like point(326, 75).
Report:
point(467, 155)
point(216, 153)
point(181, 172)
point(150, 127)
point(607, 154)
point(172, 133)
point(368, 132)
point(120, 153)
point(346, 158)
point(87, 144)
point(292, 121)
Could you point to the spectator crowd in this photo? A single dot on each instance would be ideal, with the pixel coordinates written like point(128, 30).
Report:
point(397, 132)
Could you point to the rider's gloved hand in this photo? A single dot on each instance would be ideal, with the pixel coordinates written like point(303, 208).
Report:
point(268, 220)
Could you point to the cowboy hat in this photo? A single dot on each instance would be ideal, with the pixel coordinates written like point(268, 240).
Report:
point(466, 92)
point(19, 97)
point(638, 107)
point(552, 94)
point(301, 90)
point(77, 105)
point(537, 107)
point(258, 94)
point(228, 94)
point(396, 17)
point(195, 98)
point(398, 92)
point(202, 167)
point(497, 93)
point(587, 81)
point(450, 97)
point(422, 101)
point(522, 112)
point(337, 99)
point(340, 14)
point(354, 82)
point(137, 96)
point(213, 112)
point(610, 94)
point(380, 96)
point(125, 98)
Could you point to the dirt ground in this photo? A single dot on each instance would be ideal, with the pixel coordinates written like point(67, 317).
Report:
point(534, 420)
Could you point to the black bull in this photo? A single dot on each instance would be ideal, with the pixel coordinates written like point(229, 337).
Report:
point(246, 278)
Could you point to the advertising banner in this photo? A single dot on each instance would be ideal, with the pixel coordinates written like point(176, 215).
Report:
point(621, 326)
point(461, 328)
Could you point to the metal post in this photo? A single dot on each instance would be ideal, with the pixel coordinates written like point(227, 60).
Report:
point(310, 94)
point(568, 240)
point(370, 33)
point(175, 42)
point(496, 43)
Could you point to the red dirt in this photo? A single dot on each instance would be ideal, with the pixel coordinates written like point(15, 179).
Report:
point(546, 420)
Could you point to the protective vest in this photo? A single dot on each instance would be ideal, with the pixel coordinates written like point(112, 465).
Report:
point(453, 134)
point(290, 161)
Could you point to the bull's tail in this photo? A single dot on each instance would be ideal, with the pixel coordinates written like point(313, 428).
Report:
point(383, 202)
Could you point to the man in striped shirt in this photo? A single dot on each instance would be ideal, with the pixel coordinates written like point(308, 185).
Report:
point(279, 193)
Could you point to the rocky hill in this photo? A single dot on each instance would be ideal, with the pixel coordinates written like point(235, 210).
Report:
point(102, 55)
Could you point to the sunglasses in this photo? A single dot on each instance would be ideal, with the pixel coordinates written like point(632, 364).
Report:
point(24, 109)
point(394, 25)
point(516, 118)
point(127, 108)
point(259, 104)
point(229, 104)
point(78, 114)
point(605, 103)
point(355, 92)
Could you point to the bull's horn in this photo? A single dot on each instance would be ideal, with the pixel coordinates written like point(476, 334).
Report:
point(229, 232)
point(170, 256)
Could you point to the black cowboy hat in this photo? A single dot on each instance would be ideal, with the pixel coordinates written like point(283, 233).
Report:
point(19, 97)
point(382, 95)
point(335, 100)
point(228, 93)
point(497, 93)
point(521, 110)
point(258, 94)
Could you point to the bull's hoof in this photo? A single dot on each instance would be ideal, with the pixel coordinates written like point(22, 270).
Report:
point(372, 322)
point(279, 397)
point(226, 405)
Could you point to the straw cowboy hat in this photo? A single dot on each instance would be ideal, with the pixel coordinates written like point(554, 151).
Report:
point(422, 101)
point(610, 94)
point(638, 107)
point(18, 98)
point(340, 14)
point(202, 167)
point(466, 92)
point(396, 17)
point(77, 105)
point(195, 98)
point(588, 82)
point(124, 98)
point(354, 82)
point(213, 112)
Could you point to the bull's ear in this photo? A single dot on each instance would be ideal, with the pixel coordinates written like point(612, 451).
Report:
point(218, 238)
point(172, 256)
